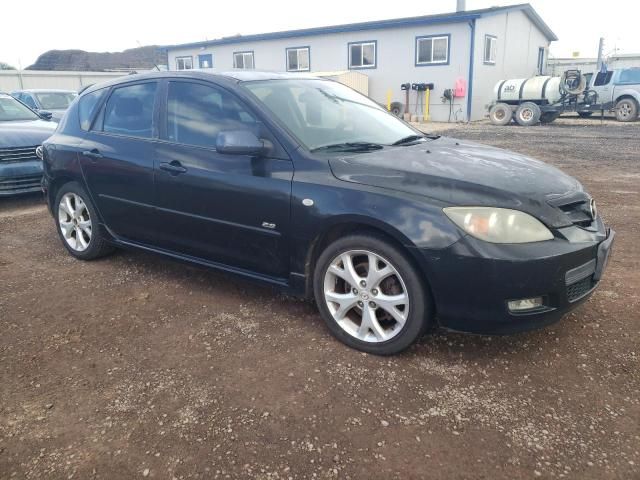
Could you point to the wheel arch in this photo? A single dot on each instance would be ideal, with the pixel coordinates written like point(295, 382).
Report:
point(348, 224)
point(624, 95)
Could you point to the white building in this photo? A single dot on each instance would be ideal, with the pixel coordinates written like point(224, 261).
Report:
point(470, 49)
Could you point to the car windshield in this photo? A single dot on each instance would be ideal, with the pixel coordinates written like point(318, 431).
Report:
point(13, 110)
point(55, 100)
point(323, 114)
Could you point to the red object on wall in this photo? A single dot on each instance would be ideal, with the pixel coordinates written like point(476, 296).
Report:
point(460, 89)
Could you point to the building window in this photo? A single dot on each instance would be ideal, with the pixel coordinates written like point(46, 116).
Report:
point(490, 49)
point(205, 60)
point(243, 60)
point(541, 62)
point(432, 50)
point(298, 59)
point(362, 55)
point(184, 63)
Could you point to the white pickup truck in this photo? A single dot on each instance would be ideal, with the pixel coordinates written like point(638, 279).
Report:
point(622, 88)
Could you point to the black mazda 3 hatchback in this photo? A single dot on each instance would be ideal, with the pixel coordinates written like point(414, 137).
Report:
point(305, 184)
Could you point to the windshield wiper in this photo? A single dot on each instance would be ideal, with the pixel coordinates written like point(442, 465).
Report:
point(414, 138)
point(409, 139)
point(349, 147)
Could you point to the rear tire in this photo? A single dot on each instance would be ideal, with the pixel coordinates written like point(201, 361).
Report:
point(626, 110)
point(370, 295)
point(500, 114)
point(528, 114)
point(77, 223)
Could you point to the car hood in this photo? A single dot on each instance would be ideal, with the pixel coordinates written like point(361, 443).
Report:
point(457, 172)
point(57, 114)
point(25, 133)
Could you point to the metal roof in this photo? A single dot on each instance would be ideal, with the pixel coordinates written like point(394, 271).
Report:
point(454, 17)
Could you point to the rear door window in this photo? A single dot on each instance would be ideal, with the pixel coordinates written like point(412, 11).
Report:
point(129, 110)
point(631, 75)
point(87, 107)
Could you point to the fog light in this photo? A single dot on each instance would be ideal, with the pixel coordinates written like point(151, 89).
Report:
point(525, 304)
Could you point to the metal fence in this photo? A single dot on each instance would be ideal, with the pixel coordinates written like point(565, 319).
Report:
point(23, 79)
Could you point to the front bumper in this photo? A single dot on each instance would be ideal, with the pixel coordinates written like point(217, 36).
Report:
point(473, 281)
point(20, 177)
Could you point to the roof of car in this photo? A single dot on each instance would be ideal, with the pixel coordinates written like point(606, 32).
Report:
point(44, 90)
point(230, 77)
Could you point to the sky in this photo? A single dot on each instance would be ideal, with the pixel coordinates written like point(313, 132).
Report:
point(116, 25)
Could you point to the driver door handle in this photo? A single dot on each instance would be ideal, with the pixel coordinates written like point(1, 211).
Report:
point(174, 167)
point(93, 154)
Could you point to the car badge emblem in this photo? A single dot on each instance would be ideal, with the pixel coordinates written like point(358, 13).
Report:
point(593, 208)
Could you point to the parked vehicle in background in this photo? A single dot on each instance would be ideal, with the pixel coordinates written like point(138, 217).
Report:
point(391, 230)
point(542, 99)
point(22, 132)
point(55, 102)
point(621, 87)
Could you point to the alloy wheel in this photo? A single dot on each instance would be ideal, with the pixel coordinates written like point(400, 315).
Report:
point(75, 221)
point(366, 296)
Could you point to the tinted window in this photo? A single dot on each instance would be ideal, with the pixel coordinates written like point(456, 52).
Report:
point(129, 110)
point(631, 75)
point(28, 100)
point(87, 107)
point(602, 78)
point(197, 113)
point(55, 100)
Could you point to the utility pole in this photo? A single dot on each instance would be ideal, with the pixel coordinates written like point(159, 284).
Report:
point(600, 50)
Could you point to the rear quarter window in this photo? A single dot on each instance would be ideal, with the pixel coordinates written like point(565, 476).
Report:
point(87, 106)
point(631, 75)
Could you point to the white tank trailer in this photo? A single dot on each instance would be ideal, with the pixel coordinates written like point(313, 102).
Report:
point(541, 99)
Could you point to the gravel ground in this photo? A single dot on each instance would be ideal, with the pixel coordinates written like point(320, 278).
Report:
point(136, 366)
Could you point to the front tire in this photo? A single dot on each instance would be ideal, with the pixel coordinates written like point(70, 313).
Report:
point(78, 225)
point(370, 295)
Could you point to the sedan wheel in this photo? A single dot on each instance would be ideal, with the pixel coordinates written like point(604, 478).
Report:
point(371, 295)
point(366, 296)
point(78, 224)
point(75, 221)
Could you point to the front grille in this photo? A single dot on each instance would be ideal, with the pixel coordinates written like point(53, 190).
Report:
point(579, 213)
point(579, 289)
point(20, 184)
point(576, 206)
point(579, 281)
point(21, 154)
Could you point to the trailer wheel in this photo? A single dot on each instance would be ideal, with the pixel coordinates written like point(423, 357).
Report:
point(500, 114)
point(528, 114)
point(585, 114)
point(548, 117)
point(626, 110)
point(397, 109)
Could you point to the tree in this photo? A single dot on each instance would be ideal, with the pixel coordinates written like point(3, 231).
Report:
point(6, 66)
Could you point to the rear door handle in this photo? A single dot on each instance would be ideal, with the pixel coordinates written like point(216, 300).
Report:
point(174, 167)
point(93, 154)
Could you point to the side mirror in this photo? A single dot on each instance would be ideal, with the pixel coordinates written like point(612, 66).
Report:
point(45, 115)
point(239, 142)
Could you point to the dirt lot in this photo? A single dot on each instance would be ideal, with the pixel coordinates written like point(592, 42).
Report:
point(136, 366)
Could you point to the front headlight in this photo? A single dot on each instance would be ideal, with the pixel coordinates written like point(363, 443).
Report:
point(498, 225)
